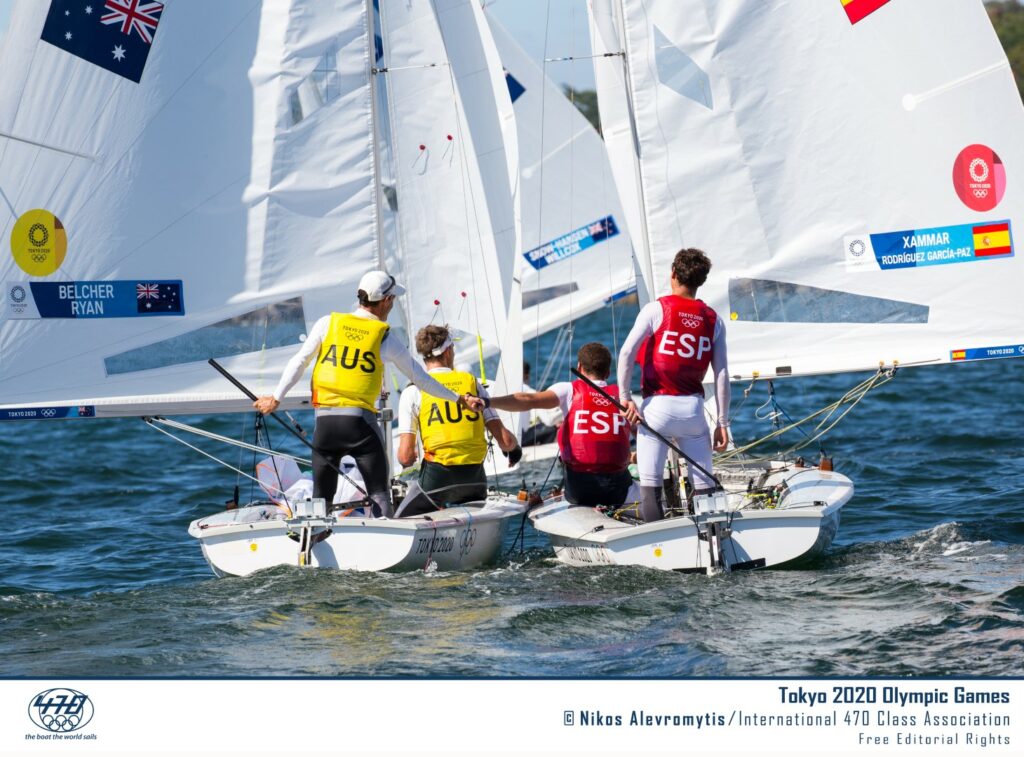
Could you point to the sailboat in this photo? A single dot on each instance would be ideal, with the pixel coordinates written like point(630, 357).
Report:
point(210, 182)
point(849, 167)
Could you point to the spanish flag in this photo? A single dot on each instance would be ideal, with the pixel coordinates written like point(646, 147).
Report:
point(959, 354)
point(858, 9)
point(993, 239)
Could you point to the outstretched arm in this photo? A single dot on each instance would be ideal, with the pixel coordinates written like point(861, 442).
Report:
point(525, 401)
point(395, 353)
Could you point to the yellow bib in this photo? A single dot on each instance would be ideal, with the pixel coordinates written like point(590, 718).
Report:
point(452, 435)
point(349, 371)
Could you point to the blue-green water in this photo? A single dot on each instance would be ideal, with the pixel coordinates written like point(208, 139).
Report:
point(98, 576)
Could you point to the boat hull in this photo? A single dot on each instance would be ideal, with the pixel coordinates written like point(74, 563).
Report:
point(801, 526)
point(243, 541)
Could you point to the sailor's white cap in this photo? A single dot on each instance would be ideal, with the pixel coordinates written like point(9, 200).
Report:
point(379, 285)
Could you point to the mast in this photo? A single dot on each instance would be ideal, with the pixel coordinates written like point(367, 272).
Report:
point(646, 264)
point(371, 30)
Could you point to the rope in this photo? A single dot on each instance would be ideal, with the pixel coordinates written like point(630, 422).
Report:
point(152, 420)
point(851, 398)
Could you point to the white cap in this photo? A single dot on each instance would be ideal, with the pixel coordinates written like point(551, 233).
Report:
point(379, 285)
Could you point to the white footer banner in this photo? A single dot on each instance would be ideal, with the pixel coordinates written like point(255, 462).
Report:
point(501, 716)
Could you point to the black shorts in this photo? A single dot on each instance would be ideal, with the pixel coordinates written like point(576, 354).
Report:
point(593, 489)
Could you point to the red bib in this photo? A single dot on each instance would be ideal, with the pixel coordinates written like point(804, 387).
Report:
point(594, 438)
point(676, 357)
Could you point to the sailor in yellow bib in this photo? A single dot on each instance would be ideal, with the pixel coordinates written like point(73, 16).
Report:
point(453, 437)
point(350, 350)
point(349, 371)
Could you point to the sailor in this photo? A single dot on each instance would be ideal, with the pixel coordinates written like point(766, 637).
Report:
point(676, 338)
point(537, 427)
point(593, 441)
point(454, 445)
point(350, 350)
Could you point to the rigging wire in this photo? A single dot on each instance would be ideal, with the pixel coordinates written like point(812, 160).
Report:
point(851, 398)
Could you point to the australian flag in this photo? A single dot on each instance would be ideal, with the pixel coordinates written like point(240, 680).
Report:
point(114, 34)
point(159, 297)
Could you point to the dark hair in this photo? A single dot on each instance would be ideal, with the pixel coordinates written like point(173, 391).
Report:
point(429, 338)
point(364, 298)
point(691, 267)
point(595, 360)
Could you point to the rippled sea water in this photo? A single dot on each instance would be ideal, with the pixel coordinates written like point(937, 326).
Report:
point(98, 576)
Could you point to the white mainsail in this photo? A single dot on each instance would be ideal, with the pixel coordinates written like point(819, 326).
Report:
point(577, 254)
point(853, 179)
point(146, 179)
point(224, 199)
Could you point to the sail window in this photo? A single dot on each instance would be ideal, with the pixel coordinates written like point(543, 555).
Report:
point(318, 89)
point(278, 325)
point(783, 302)
point(537, 296)
point(680, 73)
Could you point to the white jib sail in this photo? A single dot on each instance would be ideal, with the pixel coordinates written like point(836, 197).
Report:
point(856, 181)
point(576, 250)
point(125, 151)
point(453, 143)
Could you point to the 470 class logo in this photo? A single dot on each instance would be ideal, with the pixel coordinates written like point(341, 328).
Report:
point(60, 710)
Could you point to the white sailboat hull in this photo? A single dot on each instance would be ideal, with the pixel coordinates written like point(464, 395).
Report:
point(802, 524)
point(240, 542)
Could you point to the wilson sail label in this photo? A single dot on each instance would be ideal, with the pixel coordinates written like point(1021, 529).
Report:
point(987, 353)
point(857, 10)
point(572, 243)
point(918, 248)
point(93, 299)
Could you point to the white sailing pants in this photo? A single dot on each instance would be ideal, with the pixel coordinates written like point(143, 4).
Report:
point(680, 419)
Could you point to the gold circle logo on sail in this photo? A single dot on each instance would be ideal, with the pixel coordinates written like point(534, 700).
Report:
point(39, 243)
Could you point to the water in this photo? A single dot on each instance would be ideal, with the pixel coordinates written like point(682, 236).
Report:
point(98, 576)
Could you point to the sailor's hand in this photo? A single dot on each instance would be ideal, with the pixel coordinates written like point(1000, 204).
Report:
point(721, 438)
point(632, 413)
point(266, 404)
point(470, 402)
point(514, 455)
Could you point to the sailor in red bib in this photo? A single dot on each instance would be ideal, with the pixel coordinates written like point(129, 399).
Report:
point(594, 439)
point(676, 339)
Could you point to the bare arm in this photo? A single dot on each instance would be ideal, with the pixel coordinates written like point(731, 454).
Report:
point(505, 438)
point(407, 451)
point(525, 401)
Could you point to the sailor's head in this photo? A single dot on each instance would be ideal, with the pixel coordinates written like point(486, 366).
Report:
point(595, 361)
point(436, 344)
point(377, 292)
point(690, 268)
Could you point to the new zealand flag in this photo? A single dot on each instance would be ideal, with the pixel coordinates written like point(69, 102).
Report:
point(114, 34)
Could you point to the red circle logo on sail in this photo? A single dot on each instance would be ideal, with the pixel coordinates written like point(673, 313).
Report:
point(979, 177)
